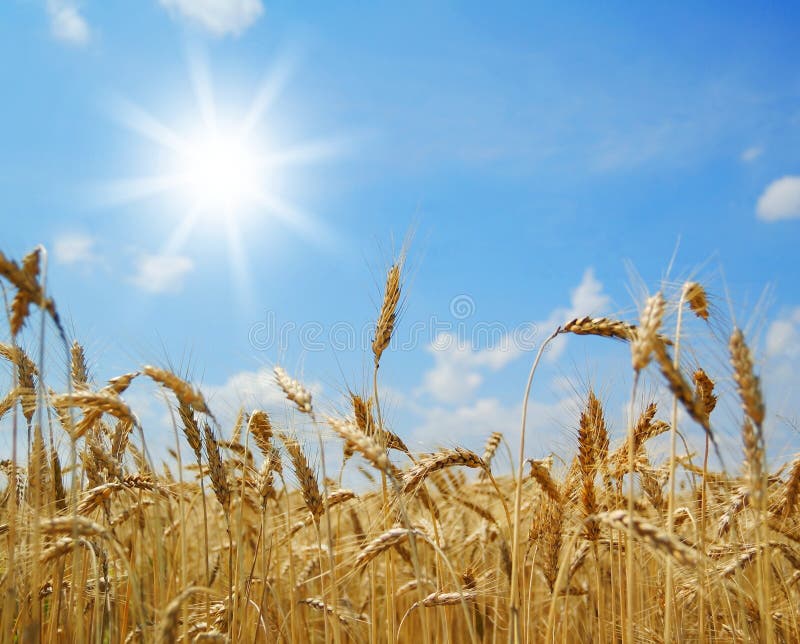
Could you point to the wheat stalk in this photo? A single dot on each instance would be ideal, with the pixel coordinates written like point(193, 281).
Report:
point(78, 369)
point(217, 473)
point(260, 428)
point(448, 599)
point(362, 443)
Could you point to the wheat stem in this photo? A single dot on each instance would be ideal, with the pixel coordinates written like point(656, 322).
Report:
point(516, 627)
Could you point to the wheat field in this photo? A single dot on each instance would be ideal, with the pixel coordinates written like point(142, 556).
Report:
point(241, 537)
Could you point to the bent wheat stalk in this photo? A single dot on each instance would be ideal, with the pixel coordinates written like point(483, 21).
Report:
point(516, 627)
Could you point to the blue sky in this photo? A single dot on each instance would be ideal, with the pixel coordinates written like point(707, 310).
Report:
point(549, 161)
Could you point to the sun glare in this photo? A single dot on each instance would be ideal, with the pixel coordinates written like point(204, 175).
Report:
point(219, 172)
point(222, 175)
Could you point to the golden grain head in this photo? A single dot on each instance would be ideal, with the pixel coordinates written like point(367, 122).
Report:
point(388, 313)
point(695, 295)
point(293, 390)
point(646, 337)
point(747, 382)
point(704, 390)
point(184, 392)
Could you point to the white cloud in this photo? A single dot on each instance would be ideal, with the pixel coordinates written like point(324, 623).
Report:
point(66, 22)
point(251, 390)
point(781, 200)
point(459, 371)
point(783, 336)
point(448, 412)
point(162, 273)
point(459, 367)
point(588, 298)
point(470, 424)
point(248, 389)
point(781, 383)
point(451, 379)
point(220, 17)
point(751, 153)
point(456, 374)
point(74, 248)
point(475, 420)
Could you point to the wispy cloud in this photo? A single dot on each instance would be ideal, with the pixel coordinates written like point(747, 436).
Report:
point(781, 200)
point(783, 336)
point(75, 248)
point(162, 273)
point(751, 153)
point(220, 17)
point(67, 24)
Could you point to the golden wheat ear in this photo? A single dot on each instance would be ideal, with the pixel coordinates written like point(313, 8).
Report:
point(305, 475)
point(363, 444)
point(29, 291)
point(592, 452)
point(695, 295)
point(184, 392)
point(489, 451)
point(294, 390)
point(646, 336)
point(388, 313)
point(260, 428)
point(217, 473)
point(459, 456)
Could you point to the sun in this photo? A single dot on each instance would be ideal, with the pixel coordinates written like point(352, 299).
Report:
point(222, 167)
point(222, 175)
